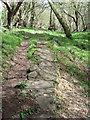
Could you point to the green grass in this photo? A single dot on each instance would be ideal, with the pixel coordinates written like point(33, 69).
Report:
point(41, 32)
point(75, 53)
point(32, 49)
point(22, 85)
point(28, 112)
point(10, 42)
point(31, 52)
point(59, 104)
point(78, 47)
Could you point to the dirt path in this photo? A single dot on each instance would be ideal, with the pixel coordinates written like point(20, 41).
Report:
point(13, 102)
point(41, 82)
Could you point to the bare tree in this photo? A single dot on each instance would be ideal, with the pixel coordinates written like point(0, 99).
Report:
point(76, 9)
point(12, 10)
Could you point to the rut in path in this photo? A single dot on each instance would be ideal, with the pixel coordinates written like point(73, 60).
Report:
point(11, 101)
point(41, 80)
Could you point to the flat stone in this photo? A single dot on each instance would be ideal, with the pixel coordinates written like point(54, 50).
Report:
point(12, 63)
point(45, 51)
point(48, 70)
point(44, 101)
point(46, 57)
point(45, 116)
point(47, 76)
point(47, 63)
point(45, 92)
point(32, 74)
point(33, 67)
point(41, 84)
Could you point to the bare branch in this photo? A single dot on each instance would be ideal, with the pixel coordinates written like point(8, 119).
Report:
point(17, 7)
point(69, 15)
point(8, 7)
point(81, 18)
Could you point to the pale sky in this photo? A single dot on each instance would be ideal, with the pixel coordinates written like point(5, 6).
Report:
point(0, 9)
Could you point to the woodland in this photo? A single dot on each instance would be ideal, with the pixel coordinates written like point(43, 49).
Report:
point(44, 59)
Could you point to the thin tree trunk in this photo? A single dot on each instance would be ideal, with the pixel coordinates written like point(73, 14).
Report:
point(84, 26)
point(18, 23)
point(75, 20)
point(32, 14)
point(51, 17)
point(76, 14)
point(60, 19)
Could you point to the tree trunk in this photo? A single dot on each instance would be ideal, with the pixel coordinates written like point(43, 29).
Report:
point(76, 23)
point(9, 20)
point(51, 17)
point(60, 19)
point(76, 14)
point(84, 26)
point(32, 14)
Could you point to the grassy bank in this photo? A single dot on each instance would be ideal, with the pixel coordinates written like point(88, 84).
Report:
point(10, 42)
point(72, 55)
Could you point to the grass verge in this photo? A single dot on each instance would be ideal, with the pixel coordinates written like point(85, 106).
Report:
point(10, 42)
point(32, 49)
